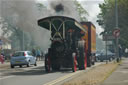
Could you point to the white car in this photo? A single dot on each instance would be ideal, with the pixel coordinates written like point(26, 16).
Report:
point(20, 58)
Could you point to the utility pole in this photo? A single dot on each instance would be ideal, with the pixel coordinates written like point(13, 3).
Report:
point(106, 47)
point(116, 20)
point(116, 13)
point(23, 41)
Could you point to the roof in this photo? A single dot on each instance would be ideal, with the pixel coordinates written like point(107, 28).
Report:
point(5, 39)
point(57, 20)
point(51, 17)
point(88, 23)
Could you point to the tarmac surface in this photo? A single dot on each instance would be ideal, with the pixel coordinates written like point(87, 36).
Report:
point(36, 75)
point(120, 76)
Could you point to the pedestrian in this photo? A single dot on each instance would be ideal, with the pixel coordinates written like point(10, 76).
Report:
point(38, 54)
point(126, 52)
point(42, 55)
point(34, 52)
point(2, 59)
point(120, 52)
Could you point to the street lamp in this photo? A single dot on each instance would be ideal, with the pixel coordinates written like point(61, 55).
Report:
point(23, 40)
point(106, 45)
point(116, 20)
point(116, 13)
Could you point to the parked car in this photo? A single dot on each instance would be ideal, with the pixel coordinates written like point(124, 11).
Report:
point(20, 58)
point(102, 56)
point(98, 54)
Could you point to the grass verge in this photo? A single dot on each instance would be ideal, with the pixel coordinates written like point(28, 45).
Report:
point(94, 76)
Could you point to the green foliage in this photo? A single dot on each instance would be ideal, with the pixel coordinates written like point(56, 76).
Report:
point(107, 18)
point(40, 6)
point(4, 27)
point(15, 33)
point(82, 12)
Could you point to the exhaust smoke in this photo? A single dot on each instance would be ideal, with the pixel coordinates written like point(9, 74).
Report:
point(62, 8)
point(59, 8)
point(24, 14)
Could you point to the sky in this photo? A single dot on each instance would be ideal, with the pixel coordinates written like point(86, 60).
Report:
point(92, 7)
point(0, 15)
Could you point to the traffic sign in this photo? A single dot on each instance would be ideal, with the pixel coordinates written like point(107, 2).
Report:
point(108, 37)
point(116, 33)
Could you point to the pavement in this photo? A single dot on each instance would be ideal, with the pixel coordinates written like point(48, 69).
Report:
point(4, 65)
point(120, 76)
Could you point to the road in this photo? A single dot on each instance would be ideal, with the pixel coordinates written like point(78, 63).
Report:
point(34, 75)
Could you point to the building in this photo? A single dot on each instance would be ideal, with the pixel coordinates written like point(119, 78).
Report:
point(5, 43)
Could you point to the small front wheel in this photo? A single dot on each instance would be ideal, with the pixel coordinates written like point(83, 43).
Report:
point(28, 65)
point(12, 66)
point(20, 66)
point(35, 64)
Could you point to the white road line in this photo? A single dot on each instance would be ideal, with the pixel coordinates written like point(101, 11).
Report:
point(69, 75)
point(62, 78)
point(5, 77)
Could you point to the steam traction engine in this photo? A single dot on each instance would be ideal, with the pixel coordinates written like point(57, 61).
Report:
point(67, 46)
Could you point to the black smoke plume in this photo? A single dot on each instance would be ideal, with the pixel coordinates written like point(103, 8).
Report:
point(59, 8)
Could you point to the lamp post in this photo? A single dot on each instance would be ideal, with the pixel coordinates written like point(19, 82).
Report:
point(116, 13)
point(23, 41)
point(106, 46)
point(116, 23)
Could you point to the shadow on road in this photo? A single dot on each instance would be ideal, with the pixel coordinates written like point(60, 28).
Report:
point(33, 71)
point(38, 71)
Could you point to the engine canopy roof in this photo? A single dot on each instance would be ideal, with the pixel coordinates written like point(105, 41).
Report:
point(56, 21)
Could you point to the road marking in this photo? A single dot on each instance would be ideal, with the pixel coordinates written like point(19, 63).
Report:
point(16, 70)
point(62, 78)
point(70, 75)
point(1, 78)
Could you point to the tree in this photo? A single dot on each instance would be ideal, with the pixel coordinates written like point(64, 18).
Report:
point(107, 19)
point(82, 12)
point(40, 6)
point(4, 27)
point(15, 32)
